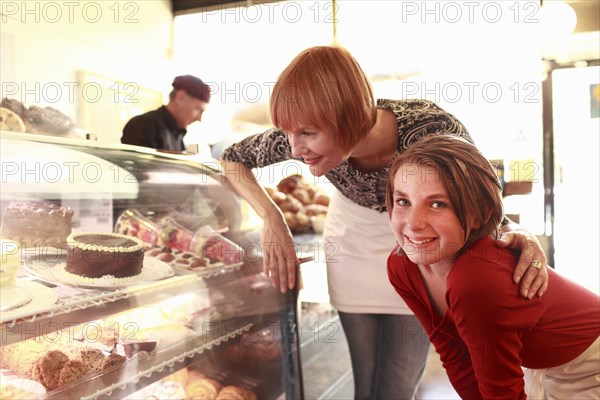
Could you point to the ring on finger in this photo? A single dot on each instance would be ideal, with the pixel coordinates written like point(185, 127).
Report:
point(536, 264)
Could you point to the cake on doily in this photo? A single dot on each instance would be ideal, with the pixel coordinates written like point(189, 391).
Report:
point(95, 255)
point(36, 223)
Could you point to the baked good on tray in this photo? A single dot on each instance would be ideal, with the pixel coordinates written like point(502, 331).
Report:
point(236, 393)
point(41, 120)
point(178, 258)
point(10, 121)
point(94, 255)
point(36, 223)
point(300, 201)
point(55, 364)
point(202, 389)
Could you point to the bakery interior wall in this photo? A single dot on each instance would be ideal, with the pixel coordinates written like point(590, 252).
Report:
point(98, 62)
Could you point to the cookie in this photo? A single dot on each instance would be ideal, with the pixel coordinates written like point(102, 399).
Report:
point(47, 369)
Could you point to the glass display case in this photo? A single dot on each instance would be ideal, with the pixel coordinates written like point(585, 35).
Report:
point(200, 319)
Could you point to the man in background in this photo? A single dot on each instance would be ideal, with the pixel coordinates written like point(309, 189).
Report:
point(165, 127)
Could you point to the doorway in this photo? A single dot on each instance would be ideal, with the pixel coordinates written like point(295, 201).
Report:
point(576, 126)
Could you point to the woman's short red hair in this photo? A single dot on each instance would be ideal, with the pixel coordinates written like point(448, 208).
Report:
point(325, 88)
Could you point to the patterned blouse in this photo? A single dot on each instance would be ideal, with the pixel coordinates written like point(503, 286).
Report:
point(415, 118)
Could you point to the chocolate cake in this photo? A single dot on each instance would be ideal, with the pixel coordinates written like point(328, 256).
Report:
point(36, 222)
point(94, 255)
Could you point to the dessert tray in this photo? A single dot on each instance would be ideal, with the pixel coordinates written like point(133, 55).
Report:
point(52, 270)
point(20, 388)
point(39, 298)
point(13, 297)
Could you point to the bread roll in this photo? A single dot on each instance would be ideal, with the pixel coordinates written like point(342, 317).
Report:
point(290, 204)
point(321, 198)
point(275, 194)
point(287, 185)
point(297, 222)
point(313, 210)
point(236, 393)
point(302, 221)
point(302, 195)
point(202, 389)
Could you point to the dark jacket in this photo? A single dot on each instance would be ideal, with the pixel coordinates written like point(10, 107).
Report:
point(156, 129)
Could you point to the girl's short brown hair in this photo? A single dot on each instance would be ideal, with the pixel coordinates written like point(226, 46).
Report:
point(325, 88)
point(469, 179)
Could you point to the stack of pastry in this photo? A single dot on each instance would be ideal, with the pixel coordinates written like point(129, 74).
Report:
point(299, 200)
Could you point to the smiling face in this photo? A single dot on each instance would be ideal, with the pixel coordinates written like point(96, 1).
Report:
point(324, 102)
point(423, 219)
point(317, 149)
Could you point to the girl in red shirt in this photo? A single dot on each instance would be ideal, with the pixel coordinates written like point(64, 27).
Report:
point(445, 204)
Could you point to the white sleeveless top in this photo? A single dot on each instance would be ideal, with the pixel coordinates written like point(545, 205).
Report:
point(357, 243)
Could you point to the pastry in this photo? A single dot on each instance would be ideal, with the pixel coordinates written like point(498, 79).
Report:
point(302, 195)
point(47, 369)
point(72, 371)
point(202, 389)
point(92, 358)
point(322, 199)
point(290, 204)
point(15, 106)
point(10, 121)
point(313, 210)
point(236, 393)
point(48, 120)
point(290, 183)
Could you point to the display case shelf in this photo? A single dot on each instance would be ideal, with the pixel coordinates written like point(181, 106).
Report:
point(123, 381)
point(232, 296)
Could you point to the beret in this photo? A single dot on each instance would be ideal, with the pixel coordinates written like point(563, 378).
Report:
point(193, 86)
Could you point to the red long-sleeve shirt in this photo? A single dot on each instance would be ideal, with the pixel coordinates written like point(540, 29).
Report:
point(489, 330)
